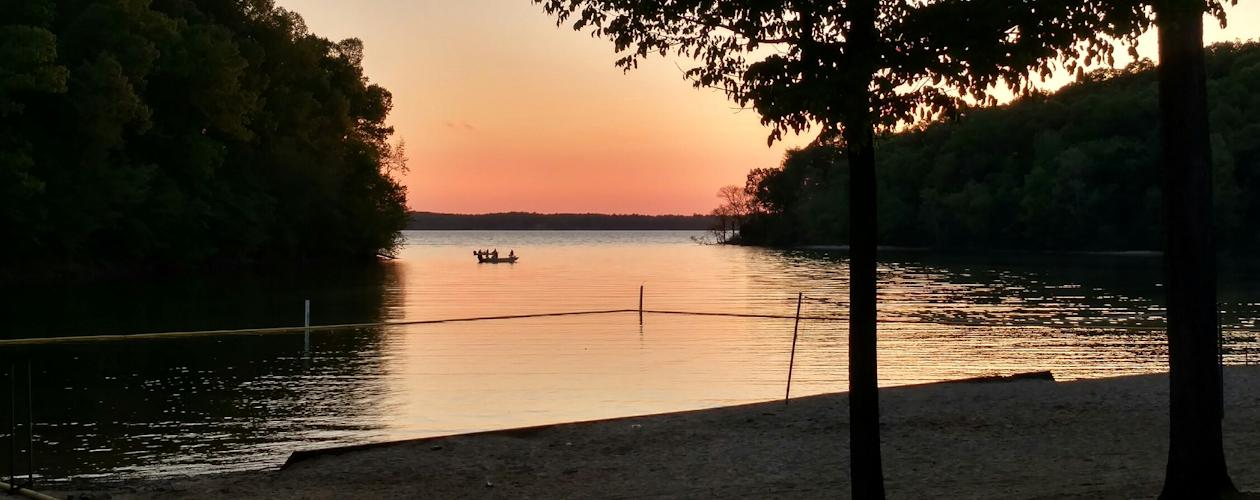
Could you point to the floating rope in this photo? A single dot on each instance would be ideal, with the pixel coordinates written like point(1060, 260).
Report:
point(350, 326)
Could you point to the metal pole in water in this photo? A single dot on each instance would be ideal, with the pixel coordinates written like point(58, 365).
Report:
point(640, 304)
point(792, 361)
point(306, 324)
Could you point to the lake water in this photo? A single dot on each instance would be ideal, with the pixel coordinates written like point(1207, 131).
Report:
point(152, 408)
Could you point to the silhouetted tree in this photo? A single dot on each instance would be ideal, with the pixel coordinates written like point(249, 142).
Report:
point(1196, 458)
point(1081, 32)
point(852, 68)
point(734, 209)
point(179, 133)
point(1070, 170)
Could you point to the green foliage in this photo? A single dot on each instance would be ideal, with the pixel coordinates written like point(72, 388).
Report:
point(1073, 170)
point(170, 133)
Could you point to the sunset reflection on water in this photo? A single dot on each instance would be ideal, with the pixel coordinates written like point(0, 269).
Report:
point(161, 407)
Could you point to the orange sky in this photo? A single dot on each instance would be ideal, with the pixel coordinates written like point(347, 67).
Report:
point(501, 110)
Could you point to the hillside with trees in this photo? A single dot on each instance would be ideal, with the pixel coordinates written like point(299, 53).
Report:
point(1072, 170)
point(178, 133)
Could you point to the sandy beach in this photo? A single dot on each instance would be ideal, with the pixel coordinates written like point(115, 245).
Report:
point(1023, 439)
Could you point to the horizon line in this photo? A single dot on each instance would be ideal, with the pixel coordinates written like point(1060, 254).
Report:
point(522, 212)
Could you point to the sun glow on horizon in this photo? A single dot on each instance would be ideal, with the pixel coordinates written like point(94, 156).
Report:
point(504, 111)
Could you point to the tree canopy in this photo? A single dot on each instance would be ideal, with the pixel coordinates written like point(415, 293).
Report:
point(179, 132)
point(803, 63)
point(1070, 170)
point(850, 68)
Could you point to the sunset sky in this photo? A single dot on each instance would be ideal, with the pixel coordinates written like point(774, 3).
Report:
point(501, 110)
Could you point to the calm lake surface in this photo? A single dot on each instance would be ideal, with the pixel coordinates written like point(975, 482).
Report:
point(155, 408)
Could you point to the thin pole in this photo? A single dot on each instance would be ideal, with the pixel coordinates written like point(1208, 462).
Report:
point(306, 325)
point(30, 429)
point(640, 304)
point(1220, 359)
point(12, 424)
point(796, 327)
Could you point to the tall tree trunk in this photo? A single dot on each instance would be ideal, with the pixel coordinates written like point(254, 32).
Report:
point(864, 454)
point(865, 464)
point(1196, 460)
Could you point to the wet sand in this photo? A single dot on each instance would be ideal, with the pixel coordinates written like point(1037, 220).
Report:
point(1022, 439)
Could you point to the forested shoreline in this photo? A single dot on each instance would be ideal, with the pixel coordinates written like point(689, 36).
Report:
point(1073, 170)
point(176, 134)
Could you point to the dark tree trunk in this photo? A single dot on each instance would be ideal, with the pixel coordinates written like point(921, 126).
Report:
point(1196, 460)
point(864, 455)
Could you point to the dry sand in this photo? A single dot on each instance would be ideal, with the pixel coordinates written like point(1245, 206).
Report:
point(1025, 439)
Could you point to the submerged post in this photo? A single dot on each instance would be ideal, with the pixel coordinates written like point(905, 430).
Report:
point(640, 305)
point(306, 326)
point(800, 296)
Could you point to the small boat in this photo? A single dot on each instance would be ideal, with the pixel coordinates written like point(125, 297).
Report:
point(490, 258)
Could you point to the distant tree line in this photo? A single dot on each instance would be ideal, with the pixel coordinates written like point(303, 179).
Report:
point(1068, 170)
point(178, 133)
point(557, 222)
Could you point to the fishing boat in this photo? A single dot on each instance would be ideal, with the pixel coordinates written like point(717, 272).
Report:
point(484, 257)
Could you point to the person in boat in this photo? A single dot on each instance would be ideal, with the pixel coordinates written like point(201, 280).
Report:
point(511, 253)
point(495, 253)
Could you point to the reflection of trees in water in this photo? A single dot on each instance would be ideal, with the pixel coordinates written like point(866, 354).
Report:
point(220, 401)
point(339, 295)
point(393, 290)
point(1116, 296)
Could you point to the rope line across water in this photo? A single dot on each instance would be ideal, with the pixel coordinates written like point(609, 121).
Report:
point(347, 326)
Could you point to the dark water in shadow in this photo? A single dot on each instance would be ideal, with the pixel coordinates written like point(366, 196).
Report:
point(162, 407)
point(230, 300)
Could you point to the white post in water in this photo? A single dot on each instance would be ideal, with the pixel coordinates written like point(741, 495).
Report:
point(306, 328)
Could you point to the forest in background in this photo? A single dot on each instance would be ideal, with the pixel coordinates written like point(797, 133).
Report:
point(179, 133)
point(1072, 170)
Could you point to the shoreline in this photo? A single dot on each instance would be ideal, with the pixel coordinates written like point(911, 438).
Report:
point(1143, 254)
point(1101, 438)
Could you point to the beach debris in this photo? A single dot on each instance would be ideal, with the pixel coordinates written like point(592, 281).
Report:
point(435, 447)
point(636, 426)
point(1041, 375)
point(489, 484)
